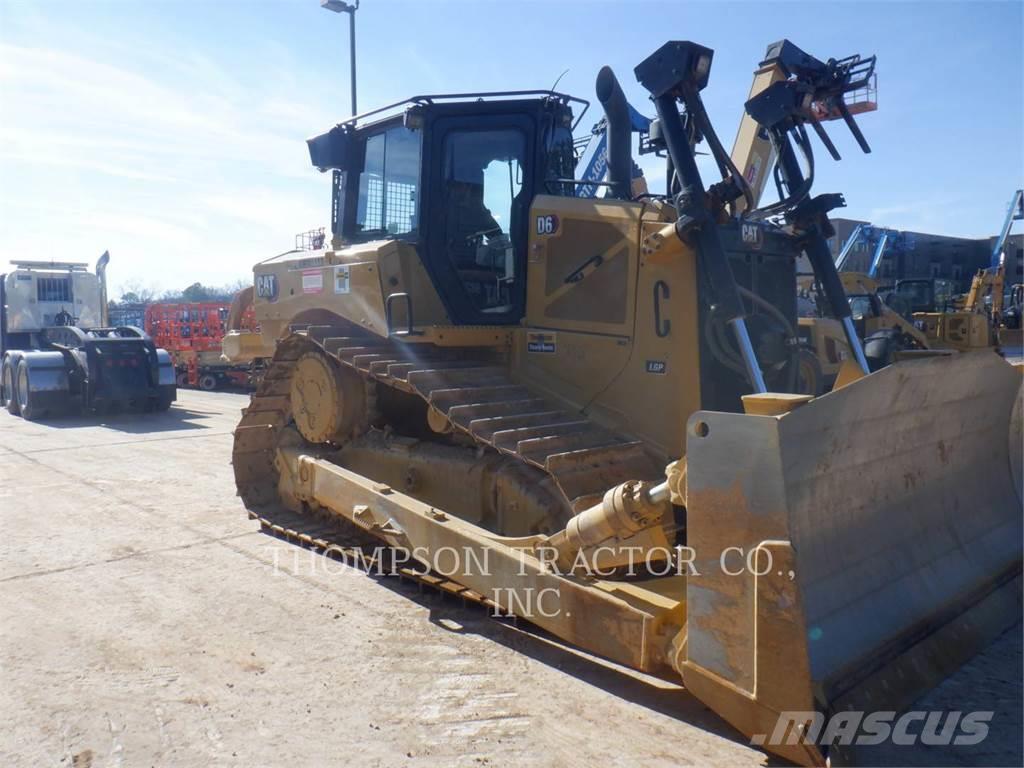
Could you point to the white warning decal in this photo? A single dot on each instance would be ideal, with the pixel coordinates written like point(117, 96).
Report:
point(341, 280)
point(312, 281)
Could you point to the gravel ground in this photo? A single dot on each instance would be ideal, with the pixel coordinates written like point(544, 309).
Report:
point(143, 621)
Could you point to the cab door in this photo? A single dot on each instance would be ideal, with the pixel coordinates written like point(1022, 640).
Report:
point(482, 171)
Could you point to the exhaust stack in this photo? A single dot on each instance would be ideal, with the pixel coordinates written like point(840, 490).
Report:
point(616, 112)
point(101, 273)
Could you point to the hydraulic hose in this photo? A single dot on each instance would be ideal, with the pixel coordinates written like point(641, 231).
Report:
point(717, 337)
point(722, 158)
point(782, 145)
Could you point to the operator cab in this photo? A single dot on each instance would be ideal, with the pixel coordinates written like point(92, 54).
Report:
point(45, 294)
point(456, 179)
point(927, 294)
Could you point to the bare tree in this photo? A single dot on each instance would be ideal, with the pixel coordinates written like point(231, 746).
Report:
point(134, 292)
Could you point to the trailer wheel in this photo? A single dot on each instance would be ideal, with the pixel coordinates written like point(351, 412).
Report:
point(182, 379)
point(207, 382)
point(8, 381)
point(23, 395)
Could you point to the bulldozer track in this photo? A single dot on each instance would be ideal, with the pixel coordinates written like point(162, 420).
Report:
point(477, 397)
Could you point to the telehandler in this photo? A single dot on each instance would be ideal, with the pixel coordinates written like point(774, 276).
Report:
point(580, 409)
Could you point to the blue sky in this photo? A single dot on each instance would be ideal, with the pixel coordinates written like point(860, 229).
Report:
point(171, 131)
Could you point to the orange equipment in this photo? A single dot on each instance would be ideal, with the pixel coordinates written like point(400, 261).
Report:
point(191, 326)
point(192, 333)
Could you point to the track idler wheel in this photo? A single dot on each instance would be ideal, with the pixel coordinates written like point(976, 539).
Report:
point(328, 402)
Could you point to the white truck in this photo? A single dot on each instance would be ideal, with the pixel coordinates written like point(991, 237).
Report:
point(59, 354)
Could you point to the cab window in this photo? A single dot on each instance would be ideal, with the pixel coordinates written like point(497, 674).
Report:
point(943, 294)
point(860, 307)
point(481, 181)
point(53, 289)
point(388, 185)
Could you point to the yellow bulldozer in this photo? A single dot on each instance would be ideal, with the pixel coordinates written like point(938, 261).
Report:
point(581, 410)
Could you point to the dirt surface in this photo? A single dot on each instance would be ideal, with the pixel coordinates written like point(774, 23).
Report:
point(143, 621)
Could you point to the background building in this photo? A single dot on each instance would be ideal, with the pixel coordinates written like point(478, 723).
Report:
point(1014, 261)
point(920, 254)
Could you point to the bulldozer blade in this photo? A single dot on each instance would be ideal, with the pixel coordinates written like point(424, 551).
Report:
point(853, 552)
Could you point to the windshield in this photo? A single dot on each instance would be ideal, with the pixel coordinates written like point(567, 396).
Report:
point(860, 306)
point(943, 293)
point(927, 295)
point(388, 185)
point(917, 293)
point(483, 177)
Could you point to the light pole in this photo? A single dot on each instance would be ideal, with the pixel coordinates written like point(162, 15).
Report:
point(339, 6)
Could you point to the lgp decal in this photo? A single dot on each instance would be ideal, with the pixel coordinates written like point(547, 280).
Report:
point(657, 366)
point(313, 281)
point(541, 342)
point(266, 287)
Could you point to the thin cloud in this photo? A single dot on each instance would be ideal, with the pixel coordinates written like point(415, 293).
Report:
point(153, 163)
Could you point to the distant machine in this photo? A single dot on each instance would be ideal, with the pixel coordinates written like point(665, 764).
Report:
point(979, 319)
point(61, 355)
point(192, 333)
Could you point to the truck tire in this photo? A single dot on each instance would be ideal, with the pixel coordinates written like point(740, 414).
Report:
point(23, 394)
point(182, 379)
point(8, 374)
point(207, 382)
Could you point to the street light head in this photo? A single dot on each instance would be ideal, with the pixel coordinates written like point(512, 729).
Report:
point(338, 6)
